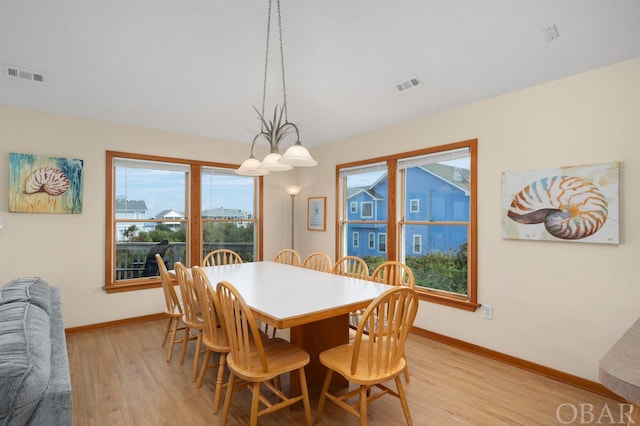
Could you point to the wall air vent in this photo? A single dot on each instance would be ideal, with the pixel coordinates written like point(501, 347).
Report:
point(408, 83)
point(23, 74)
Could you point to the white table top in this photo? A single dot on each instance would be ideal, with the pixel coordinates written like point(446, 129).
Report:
point(286, 296)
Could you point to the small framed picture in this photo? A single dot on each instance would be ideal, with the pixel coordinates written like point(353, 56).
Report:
point(316, 213)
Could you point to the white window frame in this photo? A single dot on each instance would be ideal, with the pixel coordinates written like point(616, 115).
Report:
point(382, 239)
point(372, 240)
point(362, 204)
point(417, 242)
point(355, 239)
point(417, 205)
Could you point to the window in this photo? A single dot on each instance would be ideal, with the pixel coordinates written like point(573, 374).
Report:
point(371, 221)
point(430, 224)
point(382, 243)
point(417, 243)
point(227, 203)
point(366, 209)
point(178, 208)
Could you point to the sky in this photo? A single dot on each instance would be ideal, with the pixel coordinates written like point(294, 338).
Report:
point(165, 189)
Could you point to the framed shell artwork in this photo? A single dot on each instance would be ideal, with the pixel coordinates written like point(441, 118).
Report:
point(573, 204)
point(42, 184)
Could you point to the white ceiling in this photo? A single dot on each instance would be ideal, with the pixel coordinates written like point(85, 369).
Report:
point(196, 66)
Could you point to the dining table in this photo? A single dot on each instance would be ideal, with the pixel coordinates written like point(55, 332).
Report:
point(314, 305)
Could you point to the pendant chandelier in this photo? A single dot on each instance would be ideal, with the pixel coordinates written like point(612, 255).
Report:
point(276, 129)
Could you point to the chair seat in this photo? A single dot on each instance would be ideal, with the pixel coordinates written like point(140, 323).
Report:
point(281, 355)
point(219, 343)
point(197, 325)
point(339, 358)
point(175, 312)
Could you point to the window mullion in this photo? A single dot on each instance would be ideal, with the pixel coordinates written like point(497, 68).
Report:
point(194, 254)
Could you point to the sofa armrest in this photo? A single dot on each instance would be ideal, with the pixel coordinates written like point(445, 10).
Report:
point(55, 408)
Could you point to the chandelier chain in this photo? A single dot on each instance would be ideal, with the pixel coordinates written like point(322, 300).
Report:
point(266, 63)
point(276, 129)
point(284, 87)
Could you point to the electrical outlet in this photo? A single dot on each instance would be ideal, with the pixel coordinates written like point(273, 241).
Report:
point(487, 312)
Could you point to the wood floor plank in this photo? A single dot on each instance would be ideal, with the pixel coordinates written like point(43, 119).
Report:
point(120, 377)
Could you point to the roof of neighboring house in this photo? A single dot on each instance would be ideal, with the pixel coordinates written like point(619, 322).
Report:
point(351, 192)
point(455, 176)
point(167, 214)
point(229, 213)
point(123, 205)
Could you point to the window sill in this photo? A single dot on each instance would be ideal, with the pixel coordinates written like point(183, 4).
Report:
point(133, 285)
point(450, 300)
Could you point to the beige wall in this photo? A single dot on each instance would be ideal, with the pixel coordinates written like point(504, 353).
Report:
point(68, 250)
point(558, 304)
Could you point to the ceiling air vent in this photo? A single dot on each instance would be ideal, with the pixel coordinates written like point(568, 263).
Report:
point(408, 83)
point(552, 32)
point(23, 74)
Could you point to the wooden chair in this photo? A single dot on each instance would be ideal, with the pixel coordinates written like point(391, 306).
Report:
point(192, 319)
point(318, 261)
point(215, 336)
point(172, 308)
point(372, 360)
point(393, 273)
point(352, 266)
point(398, 274)
point(256, 360)
point(288, 257)
point(221, 257)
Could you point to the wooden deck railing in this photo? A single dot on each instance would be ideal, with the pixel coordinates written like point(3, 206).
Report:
point(131, 256)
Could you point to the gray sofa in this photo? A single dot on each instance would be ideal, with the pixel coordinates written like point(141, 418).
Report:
point(35, 385)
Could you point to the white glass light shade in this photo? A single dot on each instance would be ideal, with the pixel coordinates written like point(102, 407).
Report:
point(297, 155)
point(271, 163)
point(293, 190)
point(250, 168)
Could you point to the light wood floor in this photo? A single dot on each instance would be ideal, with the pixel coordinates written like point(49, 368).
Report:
point(120, 377)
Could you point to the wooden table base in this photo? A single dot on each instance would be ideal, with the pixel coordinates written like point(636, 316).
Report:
point(314, 338)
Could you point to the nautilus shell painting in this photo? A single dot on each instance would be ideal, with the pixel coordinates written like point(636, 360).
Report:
point(577, 204)
point(40, 184)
